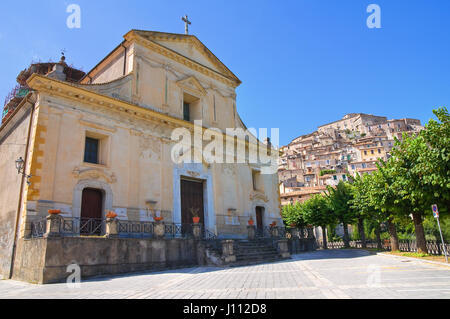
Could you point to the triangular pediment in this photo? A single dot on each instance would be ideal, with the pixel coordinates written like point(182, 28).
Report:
point(188, 46)
point(192, 85)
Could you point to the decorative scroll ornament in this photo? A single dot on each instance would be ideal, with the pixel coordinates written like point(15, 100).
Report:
point(94, 173)
point(258, 196)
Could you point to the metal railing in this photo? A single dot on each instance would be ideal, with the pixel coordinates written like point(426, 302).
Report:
point(433, 247)
point(74, 227)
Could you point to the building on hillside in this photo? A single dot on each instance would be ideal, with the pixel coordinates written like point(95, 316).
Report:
point(339, 150)
point(102, 142)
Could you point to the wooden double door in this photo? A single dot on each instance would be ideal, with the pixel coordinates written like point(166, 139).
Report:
point(192, 201)
point(91, 212)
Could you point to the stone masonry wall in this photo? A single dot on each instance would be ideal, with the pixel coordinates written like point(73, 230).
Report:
point(45, 260)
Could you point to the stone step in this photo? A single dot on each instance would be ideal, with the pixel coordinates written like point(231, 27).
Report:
point(254, 252)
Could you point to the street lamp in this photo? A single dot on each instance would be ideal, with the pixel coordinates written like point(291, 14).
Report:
point(20, 164)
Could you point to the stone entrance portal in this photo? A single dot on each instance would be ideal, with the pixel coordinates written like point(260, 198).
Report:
point(91, 211)
point(192, 201)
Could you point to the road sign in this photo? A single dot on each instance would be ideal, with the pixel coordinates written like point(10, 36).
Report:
point(435, 211)
point(436, 215)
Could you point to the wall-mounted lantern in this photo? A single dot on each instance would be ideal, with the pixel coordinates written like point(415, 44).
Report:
point(20, 164)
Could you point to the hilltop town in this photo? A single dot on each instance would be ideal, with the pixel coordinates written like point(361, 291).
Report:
point(336, 152)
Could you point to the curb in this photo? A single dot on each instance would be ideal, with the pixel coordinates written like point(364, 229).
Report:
point(416, 259)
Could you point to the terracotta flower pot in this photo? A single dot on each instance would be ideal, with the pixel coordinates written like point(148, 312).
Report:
point(158, 219)
point(111, 215)
point(251, 222)
point(196, 220)
point(54, 211)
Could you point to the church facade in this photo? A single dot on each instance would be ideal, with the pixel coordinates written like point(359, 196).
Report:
point(104, 142)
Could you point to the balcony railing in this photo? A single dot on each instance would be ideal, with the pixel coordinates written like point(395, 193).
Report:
point(75, 227)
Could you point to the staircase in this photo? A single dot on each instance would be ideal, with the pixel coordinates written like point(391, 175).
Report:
point(255, 252)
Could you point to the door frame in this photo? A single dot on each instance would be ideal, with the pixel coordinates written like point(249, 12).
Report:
point(199, 181)
point(262, 210)
point(78, 194)
point(195, 171)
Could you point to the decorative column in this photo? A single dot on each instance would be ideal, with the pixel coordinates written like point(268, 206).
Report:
point(197, 231)
point(159, 229)
point(54, 222)
point(274, 231)
point(112, 228)
point(283, 248)
point(251, 232)
point(228, 251)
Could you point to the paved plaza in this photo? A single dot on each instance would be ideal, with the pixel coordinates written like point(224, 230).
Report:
point(321, 274)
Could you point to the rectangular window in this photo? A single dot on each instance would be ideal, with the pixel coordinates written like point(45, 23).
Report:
point(379, 151)
point(91, 150)
point(371, 152)
point(344, 177)
point(335, 177)
point(186, 112)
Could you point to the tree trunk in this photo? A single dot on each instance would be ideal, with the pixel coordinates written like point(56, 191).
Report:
point(346, 237)
point(324, 237)
point(362, 234)
point(393, 235)
point(420, 233)
point(378, 234)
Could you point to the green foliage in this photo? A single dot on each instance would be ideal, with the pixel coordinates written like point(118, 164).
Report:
point(293, 214)
point(339, 199)
point(327, 171)
point(317, 211)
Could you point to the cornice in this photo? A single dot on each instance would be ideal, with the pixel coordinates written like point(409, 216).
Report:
point(75, 93)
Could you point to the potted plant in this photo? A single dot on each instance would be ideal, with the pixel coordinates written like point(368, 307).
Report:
point(274, 223)
point(158, 219)
point(111, 214)
point(195, 215)
point(293, 225)
point(251, 222)
point(54, 211)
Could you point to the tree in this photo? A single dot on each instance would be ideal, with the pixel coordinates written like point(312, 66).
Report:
point(420, 167)
point(382, 197)
point(293, 214)
point(361, 205)
point(317, 212)
point(340, 202)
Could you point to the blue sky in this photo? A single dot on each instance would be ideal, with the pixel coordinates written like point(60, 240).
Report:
point(302, 63)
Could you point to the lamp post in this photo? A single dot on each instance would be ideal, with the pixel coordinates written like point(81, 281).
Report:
point(20, 163)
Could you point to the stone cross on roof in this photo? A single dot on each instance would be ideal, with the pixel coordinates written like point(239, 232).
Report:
point(187, 23)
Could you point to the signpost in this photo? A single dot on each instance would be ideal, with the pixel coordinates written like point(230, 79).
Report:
point(436, 215)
